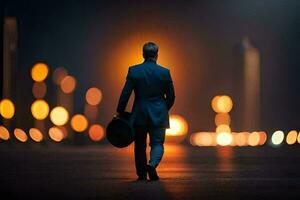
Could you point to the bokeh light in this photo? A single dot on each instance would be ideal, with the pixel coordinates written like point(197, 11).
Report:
point(4, 133)
point(298, 138)
point(96, 132)
point(68, 84)
point(223, 128)
point(56, 134)
point(277, 137)
point(39, 89)
point(20, 135)
point(178, 126)
point(253, 139)
point(291, 137)
point(222, 104)
point(93, 96)
point(91, 112)
point(241, 138)
point(39, 72)
point(79, 123)
point(59, 116)
point(59, 74)
point(224, 138)
point(40, 109)
point(35, 134)
point(203, 139)
point(222, 118)
point(262, 138)
point(7, 108)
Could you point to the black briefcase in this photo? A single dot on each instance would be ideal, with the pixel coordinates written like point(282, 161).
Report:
point(119, 132)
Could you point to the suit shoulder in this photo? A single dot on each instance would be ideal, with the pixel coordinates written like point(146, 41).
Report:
point(164, 69)
point(134, 67)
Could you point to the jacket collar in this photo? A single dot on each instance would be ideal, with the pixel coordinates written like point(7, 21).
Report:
point(149, 60)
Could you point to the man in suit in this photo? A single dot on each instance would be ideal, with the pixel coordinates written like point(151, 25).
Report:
point(154, 96)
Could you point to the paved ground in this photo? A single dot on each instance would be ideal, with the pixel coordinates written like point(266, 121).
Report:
point(103, 172)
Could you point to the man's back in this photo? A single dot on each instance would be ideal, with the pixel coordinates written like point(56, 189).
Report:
point(154, 94)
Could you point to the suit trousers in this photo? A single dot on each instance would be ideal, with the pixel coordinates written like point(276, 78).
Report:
point(157, 138)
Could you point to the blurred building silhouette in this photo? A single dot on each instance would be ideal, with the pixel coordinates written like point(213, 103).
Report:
point(10, 42)
point(252, 86)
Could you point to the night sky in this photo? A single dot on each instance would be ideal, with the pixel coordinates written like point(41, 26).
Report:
point(199, 41)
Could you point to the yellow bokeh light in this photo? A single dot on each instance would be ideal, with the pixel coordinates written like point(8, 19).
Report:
point(253, 139)
point(298, 138)
point(222, 104)
point(291, 137)
point(40, 109)
point(39, 89)
point(35, 134)
point(56, 134)
point(79, 123)
point(223, 128)
point(224, 138)
point(93, 96)
point(68, 84)
point(20, 135)
point(39, 72)
point(96, 132)
point(4, 133)
point(277, 137)
point(7, 108)
point(222, 118)
point(59, 116)
point(178, 126)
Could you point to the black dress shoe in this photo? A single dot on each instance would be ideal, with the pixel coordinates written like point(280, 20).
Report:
point(142, 178)
point(152, 173)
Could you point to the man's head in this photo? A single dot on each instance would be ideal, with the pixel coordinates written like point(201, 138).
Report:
point(150, 50)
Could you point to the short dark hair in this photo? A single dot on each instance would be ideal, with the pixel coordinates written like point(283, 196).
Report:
point(150, 50)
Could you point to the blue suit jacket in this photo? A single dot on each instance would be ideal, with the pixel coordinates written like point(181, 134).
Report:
point(154, 94)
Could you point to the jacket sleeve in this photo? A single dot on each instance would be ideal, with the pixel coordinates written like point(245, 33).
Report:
point(126, 92)
point(170, 93)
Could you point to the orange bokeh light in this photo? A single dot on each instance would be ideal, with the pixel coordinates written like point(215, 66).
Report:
point(222, 118)
point(4, 133)
point(241, 138)
point(59, 74)
point(39, 89)
point(291, 137)
point(20, 135)
point(222, 104)
point(262, 138)
point(93, 96)
point(79, 123)
point(39, 72)
point(56, 134)
point(253, 139)
point(35, 134)
point(68, 84)
point(223, 128)
point(96, 132)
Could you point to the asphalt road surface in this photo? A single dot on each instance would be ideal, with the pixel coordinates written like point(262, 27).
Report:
point(102, 172)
